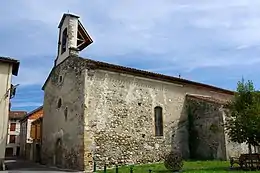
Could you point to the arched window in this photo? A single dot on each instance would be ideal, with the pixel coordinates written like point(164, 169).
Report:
point(158, 121)
point(66, 113)
point(59, 103)
point(64, 41)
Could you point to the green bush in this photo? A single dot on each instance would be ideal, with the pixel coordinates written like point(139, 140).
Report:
point(173, 161)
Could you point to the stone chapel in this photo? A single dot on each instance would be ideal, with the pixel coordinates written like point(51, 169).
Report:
point(109, 114)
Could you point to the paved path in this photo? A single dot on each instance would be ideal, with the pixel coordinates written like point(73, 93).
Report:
point(22, 166)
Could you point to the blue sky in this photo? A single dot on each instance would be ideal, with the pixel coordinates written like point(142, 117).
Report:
point(214, 42)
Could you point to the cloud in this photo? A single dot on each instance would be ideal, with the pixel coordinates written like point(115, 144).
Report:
point(165, 36)
point(26, 104)
point(27, 97)
point(178, 31)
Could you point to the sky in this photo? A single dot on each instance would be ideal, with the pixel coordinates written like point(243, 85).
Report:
point(213, 42)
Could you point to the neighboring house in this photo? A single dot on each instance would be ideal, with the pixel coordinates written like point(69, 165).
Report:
point(13, 139)
point(26, 142)
point(105, 113)
point(36, 135)
point(8, 67)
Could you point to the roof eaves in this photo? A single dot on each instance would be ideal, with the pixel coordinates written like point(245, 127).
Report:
point(63, 17)
point(207, 99)
point(12, 61)
point(30, 113)
point(157, 76)
point(147, 74)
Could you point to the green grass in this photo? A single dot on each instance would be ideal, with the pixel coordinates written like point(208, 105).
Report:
point(191, 166)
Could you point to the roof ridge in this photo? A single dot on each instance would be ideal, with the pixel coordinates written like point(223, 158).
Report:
point(142, 73)
point(173, 78)
point(33, 111)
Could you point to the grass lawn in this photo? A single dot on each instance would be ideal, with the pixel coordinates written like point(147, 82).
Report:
point(192, 166)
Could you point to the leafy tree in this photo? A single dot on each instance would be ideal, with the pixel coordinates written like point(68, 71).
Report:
point(243, 119)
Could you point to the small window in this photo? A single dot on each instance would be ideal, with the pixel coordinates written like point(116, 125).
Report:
point(12, 127)
point(12, 139)
point(59, 103)
point(60, 78)
point(158, 121)
point(66, 113)
point(64, 41)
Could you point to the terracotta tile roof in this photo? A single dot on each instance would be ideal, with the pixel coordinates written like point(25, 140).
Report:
point(17, 114)
point(38, 120)
point(31, 113)
point(15, 63)
point(207, 99)
point(132, 71)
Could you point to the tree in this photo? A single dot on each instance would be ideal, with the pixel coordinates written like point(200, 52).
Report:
point(243, 119)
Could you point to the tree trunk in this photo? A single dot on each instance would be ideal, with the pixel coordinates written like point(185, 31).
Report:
point(250, 148)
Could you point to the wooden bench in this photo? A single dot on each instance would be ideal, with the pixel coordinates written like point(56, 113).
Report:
point(246, 161)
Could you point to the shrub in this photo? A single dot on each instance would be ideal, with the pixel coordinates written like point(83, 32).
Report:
point(173, 161)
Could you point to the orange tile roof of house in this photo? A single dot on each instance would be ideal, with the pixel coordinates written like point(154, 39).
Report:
point(17, 114)
point(31, 113)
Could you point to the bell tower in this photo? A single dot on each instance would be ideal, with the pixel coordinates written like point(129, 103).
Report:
point(73, 37)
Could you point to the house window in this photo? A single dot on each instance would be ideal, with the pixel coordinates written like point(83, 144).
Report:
point(12, 139)
point(12, 126)
point(64, 41)
point(158, 121)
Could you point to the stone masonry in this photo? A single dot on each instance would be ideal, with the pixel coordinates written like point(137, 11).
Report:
point(120, 116)
point(107, 116)
point(63, 122)
point(206, 136)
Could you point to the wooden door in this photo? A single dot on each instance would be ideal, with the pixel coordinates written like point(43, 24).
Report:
point(58, 153)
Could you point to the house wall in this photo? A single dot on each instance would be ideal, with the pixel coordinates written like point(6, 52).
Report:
point(36, 134)
point(15, 145)
point(5, 84)
point(26, 140)
point(119, 117)
point(56, 127)
point(25, 135)
point(207, 135)
point(28, 131)
point(113, 114)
